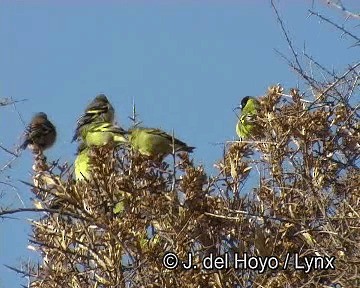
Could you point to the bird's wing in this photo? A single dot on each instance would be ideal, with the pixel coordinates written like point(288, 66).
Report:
point(107, 127)
point(160, 133)
point(36, 130)
point(97, 108)
point(247, 118)
point(83, 120)
point(92, 110)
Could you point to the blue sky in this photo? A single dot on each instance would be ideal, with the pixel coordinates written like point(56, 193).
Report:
point(187, 64)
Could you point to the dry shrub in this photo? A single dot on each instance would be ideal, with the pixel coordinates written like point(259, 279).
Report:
point(293, 190)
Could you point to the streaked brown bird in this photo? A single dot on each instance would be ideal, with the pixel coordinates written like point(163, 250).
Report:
point(40, 134)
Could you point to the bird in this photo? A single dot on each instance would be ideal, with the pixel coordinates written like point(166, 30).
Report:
point(103, 134)
point(82, 163)
point(249, 108)
point(40, 134)
point(155, 142)
point(99, 109)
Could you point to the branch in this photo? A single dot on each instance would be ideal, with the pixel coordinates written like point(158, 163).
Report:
point(19, 210)
point(339, 5)
point(8, 151)
point(336, 25)
point(9, 101)
point(296, 66)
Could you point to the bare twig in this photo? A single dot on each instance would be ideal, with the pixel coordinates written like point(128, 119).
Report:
point(339, 5)
point(9, 101)
point(346, 32)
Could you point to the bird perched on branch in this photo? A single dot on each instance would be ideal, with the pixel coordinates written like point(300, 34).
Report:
point(155, 142)
point(40, 134)
point(249, 107)
point(99, 110)
point(102, 134)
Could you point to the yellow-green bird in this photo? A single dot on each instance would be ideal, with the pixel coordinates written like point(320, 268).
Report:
point(249, 108)
point(82, 163)
point(103, 134)
point(99, 110)
point(155, 142)
point(40, 134)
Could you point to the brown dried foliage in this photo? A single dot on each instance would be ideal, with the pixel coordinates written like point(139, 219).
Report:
point(294, 189)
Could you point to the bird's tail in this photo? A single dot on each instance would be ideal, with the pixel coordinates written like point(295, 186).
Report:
point(188, 149)
point(76, 135)
point(24, 145)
